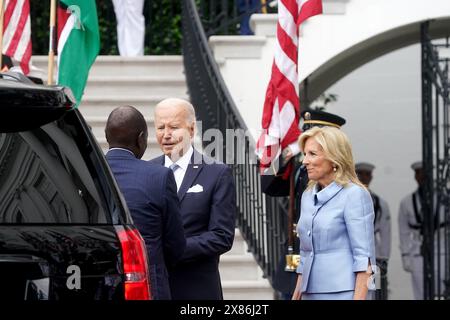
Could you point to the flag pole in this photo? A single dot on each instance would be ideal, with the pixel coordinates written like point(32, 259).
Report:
point(263, 6)
point(52, 42)
point(1, 34)
point(290, 263)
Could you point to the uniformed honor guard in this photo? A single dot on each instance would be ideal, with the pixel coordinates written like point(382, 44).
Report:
point(382, 228)
point(130, 27)
point(410, 226)
point(274, 185)
point(410, 222)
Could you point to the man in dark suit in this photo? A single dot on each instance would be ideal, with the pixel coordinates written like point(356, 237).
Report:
point(150, 193)
point(207, 199)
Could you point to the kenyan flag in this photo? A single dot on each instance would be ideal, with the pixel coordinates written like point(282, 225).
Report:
point(78, 43)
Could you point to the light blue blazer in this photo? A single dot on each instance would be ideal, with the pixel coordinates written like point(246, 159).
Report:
point(336, 237)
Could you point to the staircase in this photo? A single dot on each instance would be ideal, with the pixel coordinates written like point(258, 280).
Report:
point(142, 82)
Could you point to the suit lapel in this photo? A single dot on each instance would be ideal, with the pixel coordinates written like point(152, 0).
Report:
point(321, 198)
point(192, 172)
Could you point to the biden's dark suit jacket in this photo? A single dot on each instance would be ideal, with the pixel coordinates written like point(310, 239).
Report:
point(150, 193)
point(208, 206)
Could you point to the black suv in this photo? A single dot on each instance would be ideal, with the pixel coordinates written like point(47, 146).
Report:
point(65, 230)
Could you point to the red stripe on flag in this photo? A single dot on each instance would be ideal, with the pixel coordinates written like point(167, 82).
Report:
point(8, 13)
point(292, 7)
point(287, 45)
point(309, 9)
point(269, 152)
point(291, 135)
point(279, 86)
point(25, 63)
point(283, 89)
point(62, 17)
point(24, 14)
point(268, 104)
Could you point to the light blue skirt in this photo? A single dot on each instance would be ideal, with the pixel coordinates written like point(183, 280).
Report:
point(342, 295)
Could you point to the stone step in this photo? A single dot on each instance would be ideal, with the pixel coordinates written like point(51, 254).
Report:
point(334, 7)
point(103, 86)
point(241, 47)
point(239, 245)
point(247, 290)
point(102, 106)
point(239, 267)
point(113, 66)
point(152, 147)
point(266, 24)
point(98, 124)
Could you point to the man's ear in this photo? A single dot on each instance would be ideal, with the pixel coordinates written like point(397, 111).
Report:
point(192, 129)
point(142, 140)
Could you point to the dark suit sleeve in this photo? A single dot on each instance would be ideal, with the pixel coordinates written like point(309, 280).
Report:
point(273, 184)
point(220, 235)
point(174, 239)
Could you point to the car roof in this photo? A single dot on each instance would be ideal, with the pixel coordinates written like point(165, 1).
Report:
point(14, 80)
point(25, 105)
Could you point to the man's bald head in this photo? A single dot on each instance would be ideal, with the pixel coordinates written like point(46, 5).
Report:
point(125, 128)
point(176, 103)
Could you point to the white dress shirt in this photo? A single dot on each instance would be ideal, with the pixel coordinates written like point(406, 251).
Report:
point(182, 163)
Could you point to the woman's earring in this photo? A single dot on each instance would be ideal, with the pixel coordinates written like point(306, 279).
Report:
point(334, 169)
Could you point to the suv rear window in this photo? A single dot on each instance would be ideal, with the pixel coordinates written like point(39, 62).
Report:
point(49, 175)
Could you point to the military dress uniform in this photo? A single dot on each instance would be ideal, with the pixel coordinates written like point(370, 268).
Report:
point(410, 224)
point(382, 227)
point(410, 220)
point(382, 233)
point(130, 27)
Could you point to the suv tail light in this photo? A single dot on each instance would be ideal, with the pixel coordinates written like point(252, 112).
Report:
point(135, 267)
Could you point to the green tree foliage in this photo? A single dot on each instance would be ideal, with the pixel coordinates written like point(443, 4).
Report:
point(162, 32)
point(323, 100)
point(163, 27)
point(40, 13)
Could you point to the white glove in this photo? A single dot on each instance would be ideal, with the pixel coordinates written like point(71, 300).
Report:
point(406, 261)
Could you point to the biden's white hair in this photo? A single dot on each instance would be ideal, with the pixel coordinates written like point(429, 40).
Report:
point(175, 102)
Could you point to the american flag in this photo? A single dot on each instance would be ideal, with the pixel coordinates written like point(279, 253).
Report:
point(17, 32)
point(282, 107)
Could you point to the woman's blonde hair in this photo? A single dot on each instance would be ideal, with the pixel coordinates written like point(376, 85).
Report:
point(337, 149)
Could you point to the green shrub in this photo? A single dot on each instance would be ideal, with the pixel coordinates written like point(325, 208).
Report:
point(162, 34)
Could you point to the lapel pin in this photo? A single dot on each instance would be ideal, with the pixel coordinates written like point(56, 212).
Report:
point(195, 167)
